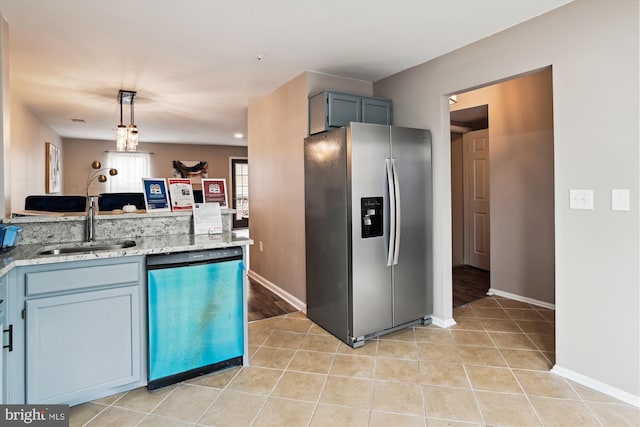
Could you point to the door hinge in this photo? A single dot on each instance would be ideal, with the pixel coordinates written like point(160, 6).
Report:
point(24, 313)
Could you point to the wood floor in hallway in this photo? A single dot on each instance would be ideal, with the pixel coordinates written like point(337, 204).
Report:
point(469, 284)
point(264, 304)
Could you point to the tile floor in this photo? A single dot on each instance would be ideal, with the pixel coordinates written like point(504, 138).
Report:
point(489, 369)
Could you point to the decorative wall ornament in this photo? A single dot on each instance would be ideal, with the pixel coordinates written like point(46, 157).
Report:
point(195, 170)
point(54, 169)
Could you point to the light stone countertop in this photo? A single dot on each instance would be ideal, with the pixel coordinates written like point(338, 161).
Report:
point(23, 255)
point(26, 217)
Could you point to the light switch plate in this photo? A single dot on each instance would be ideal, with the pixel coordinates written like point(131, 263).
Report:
point(581, 199)
point(620, 200)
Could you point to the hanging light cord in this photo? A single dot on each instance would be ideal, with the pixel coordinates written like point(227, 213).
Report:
point(121, 124)
point(132, 122)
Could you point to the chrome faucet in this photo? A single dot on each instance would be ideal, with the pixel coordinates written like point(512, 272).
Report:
point(90, 220)
point(94, 173)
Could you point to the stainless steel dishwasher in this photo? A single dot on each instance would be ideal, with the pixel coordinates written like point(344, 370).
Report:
point(195, 314)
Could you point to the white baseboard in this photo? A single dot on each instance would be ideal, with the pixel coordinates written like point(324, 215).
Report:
point(297, 303)
point(442, 323)
point(516, 297)
point(597, 385)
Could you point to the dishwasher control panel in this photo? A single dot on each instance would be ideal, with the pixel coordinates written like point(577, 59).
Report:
point(191, 257)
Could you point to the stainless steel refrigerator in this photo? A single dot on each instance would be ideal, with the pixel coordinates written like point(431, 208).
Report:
point(368, 219)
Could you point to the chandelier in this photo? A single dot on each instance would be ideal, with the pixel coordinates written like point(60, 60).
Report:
point(127, 136)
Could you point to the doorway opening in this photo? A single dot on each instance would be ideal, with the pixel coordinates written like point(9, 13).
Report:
point(502, 186)
point(240, 191)
point(471, 245)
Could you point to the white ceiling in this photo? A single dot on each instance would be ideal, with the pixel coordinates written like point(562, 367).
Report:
point(194, 62)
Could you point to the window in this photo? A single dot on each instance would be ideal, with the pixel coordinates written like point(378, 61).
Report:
point(132, 167)
point(240, 192)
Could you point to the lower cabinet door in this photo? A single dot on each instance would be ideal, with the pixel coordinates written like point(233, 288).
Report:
point(82, 343)
point(2, 366)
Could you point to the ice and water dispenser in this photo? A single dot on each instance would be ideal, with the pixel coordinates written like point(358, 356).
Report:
point(371, 216)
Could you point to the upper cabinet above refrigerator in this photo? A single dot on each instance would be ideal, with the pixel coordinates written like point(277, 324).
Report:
point(330, 110)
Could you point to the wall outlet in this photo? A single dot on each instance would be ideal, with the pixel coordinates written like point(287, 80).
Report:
point(581, 199)
point(260, 245)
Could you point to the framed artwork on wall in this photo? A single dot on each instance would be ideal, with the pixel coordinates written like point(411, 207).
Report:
point(194, 170)
point(54, 169)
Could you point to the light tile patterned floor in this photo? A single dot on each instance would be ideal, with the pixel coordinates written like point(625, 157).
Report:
point(489, 369)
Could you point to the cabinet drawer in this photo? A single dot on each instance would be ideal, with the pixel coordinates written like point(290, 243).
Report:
point(81, 277)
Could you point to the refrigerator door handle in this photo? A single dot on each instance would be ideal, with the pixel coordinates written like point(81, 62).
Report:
point(398, 216)
point(392, 212)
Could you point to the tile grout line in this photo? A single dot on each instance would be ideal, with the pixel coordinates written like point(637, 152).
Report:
point(113, 405)
point(243, 367)
point(219, 394)
point(466, 372)
point(585, 404)
point(526, 334)
point(422, 390)
point(525, 394)
point(269, 395)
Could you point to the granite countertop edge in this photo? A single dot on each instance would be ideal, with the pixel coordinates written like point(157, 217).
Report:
point(24, 255)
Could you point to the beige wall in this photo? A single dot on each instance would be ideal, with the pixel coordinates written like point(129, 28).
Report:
point(29, 136)
point(79, 153)
point(457, 201)
point(521, 183)
point(277, 127)
point(5, 120)
point(593, 47)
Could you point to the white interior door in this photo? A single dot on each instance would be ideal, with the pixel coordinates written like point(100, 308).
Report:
point(476, 195)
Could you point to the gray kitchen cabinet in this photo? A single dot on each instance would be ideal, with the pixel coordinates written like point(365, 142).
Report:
point(82, 342)
point(5, 333)
point(376, 110)
point(328, 110)
point(83, 330)
point(13, 343)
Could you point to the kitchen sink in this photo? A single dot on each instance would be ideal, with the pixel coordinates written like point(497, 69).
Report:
point(80, 248)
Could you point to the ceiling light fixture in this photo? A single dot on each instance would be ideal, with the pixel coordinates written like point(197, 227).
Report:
point(127, 136)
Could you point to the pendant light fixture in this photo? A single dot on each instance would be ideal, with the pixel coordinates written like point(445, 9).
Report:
point(127, 136)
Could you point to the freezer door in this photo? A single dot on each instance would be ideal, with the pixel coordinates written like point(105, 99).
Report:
point(411, 150)
point(327, 231)
point(370, 291)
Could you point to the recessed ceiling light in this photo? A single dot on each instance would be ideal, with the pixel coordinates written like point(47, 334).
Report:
point(238, 135)
point(78, 120)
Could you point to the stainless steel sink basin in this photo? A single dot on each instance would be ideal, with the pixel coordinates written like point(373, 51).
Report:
point(80, 248)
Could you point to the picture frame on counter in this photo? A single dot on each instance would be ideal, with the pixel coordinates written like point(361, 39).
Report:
point(214, 190)
point(156, 196)
point(181, 194)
